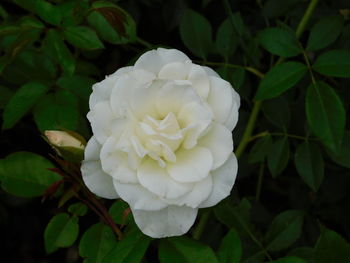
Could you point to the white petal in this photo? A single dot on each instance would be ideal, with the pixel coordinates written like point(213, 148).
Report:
point(191, 165)
point(175, 70)
point(219, 141)
point(157, 180)
point(200, 81)
point(220, 98)
point(172, 96)
point(223, 180)
point(138, 197)
point(101, 119)
point(211, 72)
point(171, 55)
point(95, 179)
point(170, 221)
point(115, 162)
point(199, 193)
point(232, 118)
point(121, 71)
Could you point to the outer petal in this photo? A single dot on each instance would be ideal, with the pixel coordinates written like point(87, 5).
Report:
point(115, 162)
point(170, 221)
point(199, 193)
point(191, 165)
point(200, 80)
point(154, 60)
point(211, 72)
point(101, 119)
point(223, 179)
point(219, 141)
point(220, 98)
point(139, 197)
point(157, 180)
point(95, 179)
point(175, 70)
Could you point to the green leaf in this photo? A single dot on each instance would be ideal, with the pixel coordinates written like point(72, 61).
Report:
point(306, 253)
point(59, 51)
point(277, 112)
point(73, 12)
point(183, 249)
point(96, 243)
point(260, 149)
point(196, 33)
point(342, 156)
point(280, 78)
point(279, 41)
point(23, 100)
point(284, 230)
point(325, 114)
point(48, 12)
point(112, 23)
point(82, 37)
point(289, 259)
point(78, 209)
point(309, 164)
point(57, 111)
point(6, 95)
point(276, 8)
point(335, 63)
point(325, 32)
point(278, 156)
point(226, 39)
point(230, 250)
point(26, 174)
point(130, 249)
point(331, 248)
point(62, 231)
point(117, 211)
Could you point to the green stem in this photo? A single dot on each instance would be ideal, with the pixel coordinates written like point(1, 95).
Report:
point(197, 233)
point(307, 61)
point(305, 19)
point(265, 133)
point(144, 43)
point(249, 129)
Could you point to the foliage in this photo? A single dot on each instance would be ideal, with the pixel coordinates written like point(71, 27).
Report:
point(288, 60)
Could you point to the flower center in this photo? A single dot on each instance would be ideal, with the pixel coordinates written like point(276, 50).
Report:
point(160, 138)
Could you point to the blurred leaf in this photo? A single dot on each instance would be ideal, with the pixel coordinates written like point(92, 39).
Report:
point(57, 111)
point(26, 174)
point(325, 114)
point(276, 8)
point(335, 63)
point(284, 230)
point(59, 51)
point(117, 211)
point(30, 66)
point(73, 12)
point(112, 23)
point(96, 243)
point(260, 149)
point(21, 102)
point(278, 156)
point(196, 33)
point(290, 259)
point(61, 231)
point(279, 79)
point(277, 112)
point(28, 5)
point(186, 250)
point(82, 37)
point(78, 209)
point(325, 32)
point(331, 248)
point(342, 156)
point(9, 30)
point(226, 39)
point(309, 164)
point(230, 250)
point(6, 95)
point(279, 41)
point(48, 12)
point(306, 253)
point(130, 249)
point(235, 76)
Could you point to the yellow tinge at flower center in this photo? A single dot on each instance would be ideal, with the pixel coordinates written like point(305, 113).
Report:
point(160, 138)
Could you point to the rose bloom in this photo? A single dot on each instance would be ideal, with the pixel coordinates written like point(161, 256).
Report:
point(162, 140)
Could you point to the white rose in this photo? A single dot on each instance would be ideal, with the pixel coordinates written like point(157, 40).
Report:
point(162, 140)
